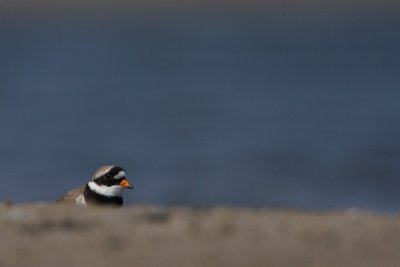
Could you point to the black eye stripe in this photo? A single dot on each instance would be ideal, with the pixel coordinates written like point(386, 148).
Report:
point(108, 182)
point(115, 170)
point(111, 172)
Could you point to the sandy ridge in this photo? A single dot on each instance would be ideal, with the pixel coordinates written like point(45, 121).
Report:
point(55, 235)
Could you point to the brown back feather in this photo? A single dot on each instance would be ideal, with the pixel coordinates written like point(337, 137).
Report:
point(70, 196)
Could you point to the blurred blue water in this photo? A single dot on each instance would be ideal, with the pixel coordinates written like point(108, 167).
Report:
point(201, 112)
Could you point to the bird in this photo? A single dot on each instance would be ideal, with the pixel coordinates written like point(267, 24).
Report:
point(104, 188)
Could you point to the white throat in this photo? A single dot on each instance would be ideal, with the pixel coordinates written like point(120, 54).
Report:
point(109, 191)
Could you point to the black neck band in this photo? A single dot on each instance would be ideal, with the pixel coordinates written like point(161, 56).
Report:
point(92, 197)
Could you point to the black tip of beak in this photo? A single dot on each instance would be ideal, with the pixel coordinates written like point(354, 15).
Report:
point(130, 186)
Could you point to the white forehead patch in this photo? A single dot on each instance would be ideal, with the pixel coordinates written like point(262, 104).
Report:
point(119, 175)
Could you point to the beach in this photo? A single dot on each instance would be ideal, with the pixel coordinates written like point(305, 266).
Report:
point(41, 234)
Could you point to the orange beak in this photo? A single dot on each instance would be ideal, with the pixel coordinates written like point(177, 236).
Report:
point(125, 184)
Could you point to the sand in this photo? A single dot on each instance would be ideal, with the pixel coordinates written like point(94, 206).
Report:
point(56, 235)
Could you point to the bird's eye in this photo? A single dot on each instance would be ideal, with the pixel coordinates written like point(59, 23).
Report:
point(108, 176)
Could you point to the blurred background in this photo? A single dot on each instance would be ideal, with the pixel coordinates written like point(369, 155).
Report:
point(249, 103)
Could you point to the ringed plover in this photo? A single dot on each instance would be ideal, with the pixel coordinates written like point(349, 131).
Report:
point(105, 188)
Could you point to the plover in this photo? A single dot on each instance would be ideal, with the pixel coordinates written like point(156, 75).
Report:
point(105, 187)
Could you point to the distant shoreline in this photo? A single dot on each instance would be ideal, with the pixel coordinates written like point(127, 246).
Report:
point(103, 8)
